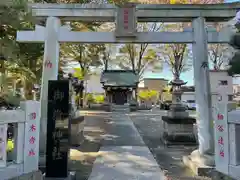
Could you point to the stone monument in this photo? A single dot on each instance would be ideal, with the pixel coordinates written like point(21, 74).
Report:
point(177, 125)
point(58, 129)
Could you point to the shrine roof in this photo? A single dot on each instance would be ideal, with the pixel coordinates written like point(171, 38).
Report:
point(119, 78)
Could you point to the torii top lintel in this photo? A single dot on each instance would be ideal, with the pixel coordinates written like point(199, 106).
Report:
point(144, 13)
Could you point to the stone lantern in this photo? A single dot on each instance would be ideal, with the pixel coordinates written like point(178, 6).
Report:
point(177, 108)
point(178, 126)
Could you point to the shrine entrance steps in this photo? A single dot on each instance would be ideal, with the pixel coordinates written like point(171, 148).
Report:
point(125, 156)
point(120, 108)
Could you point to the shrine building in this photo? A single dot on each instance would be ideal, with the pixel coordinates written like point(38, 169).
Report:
point(119, 85)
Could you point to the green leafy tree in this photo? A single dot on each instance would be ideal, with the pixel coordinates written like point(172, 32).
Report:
point(218, 55)
point(147, 95)
point(24, 61)
point(89, 98)
point(166, 93)
point(86, 56)
point(107, 53)
point(234, 64)
point(99, 99)
point(140, 58)
point(178, 56)
point(21, 60)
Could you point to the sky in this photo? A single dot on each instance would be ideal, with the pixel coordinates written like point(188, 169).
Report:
point(187, 76)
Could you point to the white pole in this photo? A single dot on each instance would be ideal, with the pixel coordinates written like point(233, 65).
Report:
point(50, 71)
point(203, 95)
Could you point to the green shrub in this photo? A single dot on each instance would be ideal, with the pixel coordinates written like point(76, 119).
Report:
point(99, 99)
point(89, 98)
point(10, 145)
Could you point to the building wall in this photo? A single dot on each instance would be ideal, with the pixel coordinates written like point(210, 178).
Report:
point(153, 84)
point(236, 89)
point(221, 84)
point(93, 85)
point(188, 96)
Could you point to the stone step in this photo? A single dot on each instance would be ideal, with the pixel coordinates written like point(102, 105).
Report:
point(120, 108)
point(124, 107)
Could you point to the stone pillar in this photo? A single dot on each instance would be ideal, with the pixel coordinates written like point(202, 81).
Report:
point(205, 154)
point(134, 94)
point(50, 71)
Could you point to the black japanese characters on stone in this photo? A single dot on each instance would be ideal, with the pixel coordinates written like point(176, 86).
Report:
point(204, 65)
point(58, 129)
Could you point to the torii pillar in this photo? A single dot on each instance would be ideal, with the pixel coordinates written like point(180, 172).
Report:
point(204, 156)
point(48, 35)
point(50, 71)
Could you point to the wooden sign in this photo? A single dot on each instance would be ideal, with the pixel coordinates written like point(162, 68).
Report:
point(126, 21)
point(58, 127)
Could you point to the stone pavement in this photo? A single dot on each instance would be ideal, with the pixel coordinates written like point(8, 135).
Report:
point(120, 131)
point(169, 158)
point(124, 154)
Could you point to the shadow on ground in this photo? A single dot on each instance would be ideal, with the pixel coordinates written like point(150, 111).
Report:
point(99, 130)
point(169, 158)
point(83, 157)
point(109, 130)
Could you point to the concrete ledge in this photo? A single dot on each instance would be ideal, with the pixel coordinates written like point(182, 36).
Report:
point(11, 171)
point(204, 170)
point(181, 120)
point(36, 175)
point(187, 140)
point(72, 176)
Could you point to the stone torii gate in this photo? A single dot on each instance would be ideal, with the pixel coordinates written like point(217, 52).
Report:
point(126, 19)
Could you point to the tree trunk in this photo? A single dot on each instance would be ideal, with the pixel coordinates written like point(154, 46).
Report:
point(2, 76)
point(106, 65)
point(14, 84)
point(81, 99)
point(28, 90)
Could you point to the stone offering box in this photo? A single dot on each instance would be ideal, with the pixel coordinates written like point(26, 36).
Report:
point(227, 141)
point(77, 121)
point(77, 130)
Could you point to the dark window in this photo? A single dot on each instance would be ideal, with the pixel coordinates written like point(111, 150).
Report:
point(223, 83)
point(191, 101)
point(230, 97)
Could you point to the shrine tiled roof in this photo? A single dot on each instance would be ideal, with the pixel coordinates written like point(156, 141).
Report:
point(119, 78)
